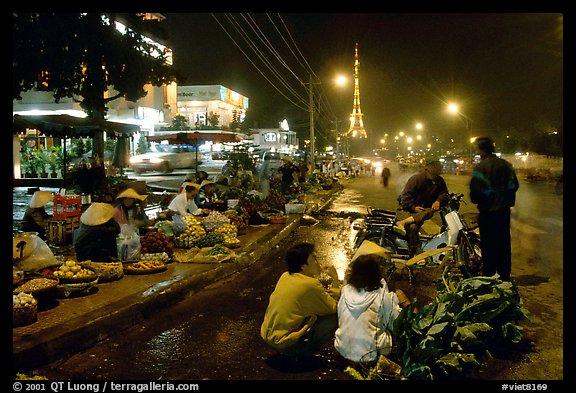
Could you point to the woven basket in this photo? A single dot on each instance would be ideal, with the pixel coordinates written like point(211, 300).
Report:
point(24, 315)
point(278, 220)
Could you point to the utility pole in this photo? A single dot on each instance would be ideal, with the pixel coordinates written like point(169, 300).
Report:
point(337, 134)
point(312, 146)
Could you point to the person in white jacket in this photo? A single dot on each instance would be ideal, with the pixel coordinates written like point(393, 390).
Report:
point(183, 203)
point(366, 312)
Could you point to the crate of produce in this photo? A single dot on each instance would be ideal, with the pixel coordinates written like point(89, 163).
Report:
point(294, 208)
point(67, 206)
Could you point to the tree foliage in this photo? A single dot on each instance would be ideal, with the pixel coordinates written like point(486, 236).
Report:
point(81, 56)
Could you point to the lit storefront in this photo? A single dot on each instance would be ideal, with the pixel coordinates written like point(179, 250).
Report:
point(198, 103)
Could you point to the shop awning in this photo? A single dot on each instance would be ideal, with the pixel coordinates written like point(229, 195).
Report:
point(61, 126)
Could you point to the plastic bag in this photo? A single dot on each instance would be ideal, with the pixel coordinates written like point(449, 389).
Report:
point(179, 224)
point(30, 253)
point(129, 242)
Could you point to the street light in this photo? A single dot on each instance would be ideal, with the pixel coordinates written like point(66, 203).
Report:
point(455, 109)
point(341, 80)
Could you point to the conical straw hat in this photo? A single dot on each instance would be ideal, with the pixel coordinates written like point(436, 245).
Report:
point(97, 214)
point(206, 183)
point(189, 183)
point(40, 199)
point(130, 193)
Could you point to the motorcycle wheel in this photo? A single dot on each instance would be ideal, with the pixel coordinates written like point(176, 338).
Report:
point(387, 243)
point(469, 254)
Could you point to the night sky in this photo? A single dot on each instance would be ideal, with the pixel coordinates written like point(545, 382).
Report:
point(503, 69)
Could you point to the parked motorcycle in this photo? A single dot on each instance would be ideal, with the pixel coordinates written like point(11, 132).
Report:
point(455, 233)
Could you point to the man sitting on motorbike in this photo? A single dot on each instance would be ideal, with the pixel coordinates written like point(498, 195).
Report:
point(423, 194)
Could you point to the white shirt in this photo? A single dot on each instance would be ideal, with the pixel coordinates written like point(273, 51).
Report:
point(183, 206)
point(365, 323)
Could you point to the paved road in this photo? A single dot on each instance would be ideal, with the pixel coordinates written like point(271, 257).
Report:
point(214, 334)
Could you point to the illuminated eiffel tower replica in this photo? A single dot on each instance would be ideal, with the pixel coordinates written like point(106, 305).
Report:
point(356, 129)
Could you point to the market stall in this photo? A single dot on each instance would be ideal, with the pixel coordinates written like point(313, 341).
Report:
point(65, 127)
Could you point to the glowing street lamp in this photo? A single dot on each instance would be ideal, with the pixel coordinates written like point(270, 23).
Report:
point(455, 109)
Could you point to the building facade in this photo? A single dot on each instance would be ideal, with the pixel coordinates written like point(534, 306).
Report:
point(198, 103)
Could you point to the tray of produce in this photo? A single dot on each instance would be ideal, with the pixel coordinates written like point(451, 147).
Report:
point(36, 285)
point(156, 242)
point(231, 242)
point(144, 267)
point(72, 272)
point(157, 256)
point(278, 219)
point(76, 288)
point(107, 271)
point(24, 309)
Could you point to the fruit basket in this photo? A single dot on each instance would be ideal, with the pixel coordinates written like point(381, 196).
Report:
point(24, 310)
point(87, 275)
point(278, 219)
point(71, 272)
point(144, 267)
point(107, 271)
point(36, 285)
point(77, 288)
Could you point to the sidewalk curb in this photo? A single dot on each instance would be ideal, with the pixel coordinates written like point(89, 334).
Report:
point(79, 331)
point(85, 330)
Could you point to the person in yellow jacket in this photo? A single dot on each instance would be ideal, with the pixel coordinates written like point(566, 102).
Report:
point(302, 316)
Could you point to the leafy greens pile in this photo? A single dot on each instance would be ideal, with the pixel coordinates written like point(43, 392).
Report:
point(468, 317)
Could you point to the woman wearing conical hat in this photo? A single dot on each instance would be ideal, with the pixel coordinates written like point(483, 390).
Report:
point(130, 209)
point(36, 217)
point(206, 198)
point(96, 237)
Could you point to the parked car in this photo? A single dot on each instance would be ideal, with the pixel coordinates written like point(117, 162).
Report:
point(165, 158)
point(270, 162)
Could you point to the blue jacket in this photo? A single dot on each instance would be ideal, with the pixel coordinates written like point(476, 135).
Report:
point(494, 184)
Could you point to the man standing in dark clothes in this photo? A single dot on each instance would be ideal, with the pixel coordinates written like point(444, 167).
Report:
point(288, 169)
point(423, 195)
point(385, 176)
point(493, 189)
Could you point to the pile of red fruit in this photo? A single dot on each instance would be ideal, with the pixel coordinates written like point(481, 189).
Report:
point(156, 242)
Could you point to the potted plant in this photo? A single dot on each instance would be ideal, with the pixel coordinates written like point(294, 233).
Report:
point(34, 165)
point(55, 160)
point(40, 159)
point(26, 169)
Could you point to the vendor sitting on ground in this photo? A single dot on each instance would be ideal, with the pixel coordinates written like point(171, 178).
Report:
point(130, 209)
point(96, 237)
point(207, 197)
point(35, 218)
point(184, 203)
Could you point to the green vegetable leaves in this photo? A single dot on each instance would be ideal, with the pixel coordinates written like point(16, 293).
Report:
point(468, 317)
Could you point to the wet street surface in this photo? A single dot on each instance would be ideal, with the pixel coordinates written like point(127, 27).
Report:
point(215, 334)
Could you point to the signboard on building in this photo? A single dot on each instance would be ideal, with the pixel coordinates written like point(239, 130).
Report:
point(210, 93)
